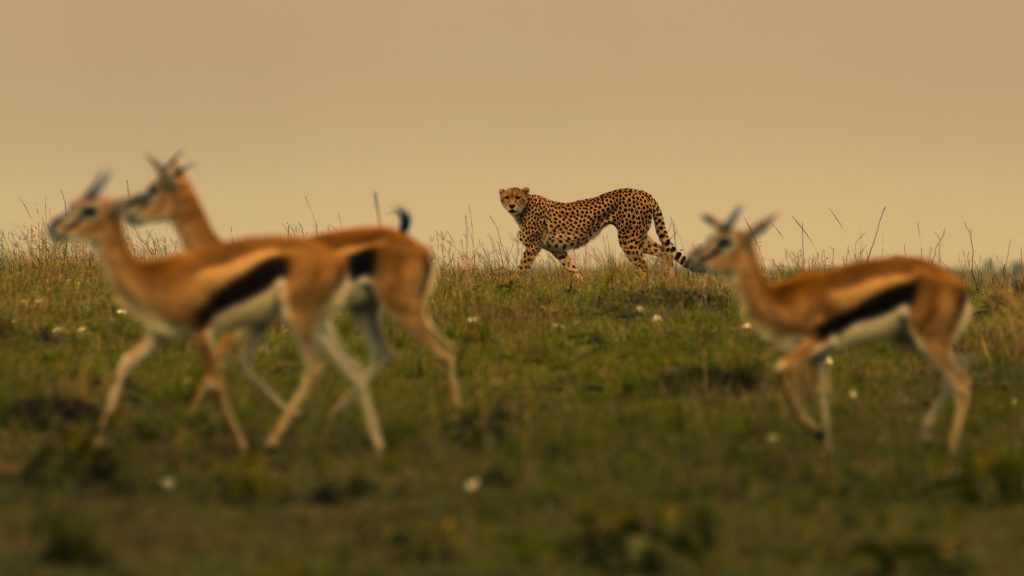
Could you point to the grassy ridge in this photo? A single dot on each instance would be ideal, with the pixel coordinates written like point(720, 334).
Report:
point(615, 425)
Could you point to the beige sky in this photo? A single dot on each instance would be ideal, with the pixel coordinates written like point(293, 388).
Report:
point(792, 107)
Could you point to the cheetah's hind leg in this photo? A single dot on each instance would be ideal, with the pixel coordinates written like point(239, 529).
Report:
point(666, 262)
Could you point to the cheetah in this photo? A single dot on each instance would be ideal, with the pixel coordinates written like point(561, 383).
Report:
point(559, 227)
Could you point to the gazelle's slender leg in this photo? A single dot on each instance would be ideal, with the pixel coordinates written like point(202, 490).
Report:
point(808, 347)
point(367, 318)
point(783, 367)
point(956, 385)
point(312, 367)
point(961, 384)
point(413, 317)
point(347, 365)
point(417, 323)
point(227, 409)
point(823, 381)
point(368, 321)
point(208, 351)
point(129, 359)
point(331, 343)
point(796, 406)
point(213, 380)
point(250, 341)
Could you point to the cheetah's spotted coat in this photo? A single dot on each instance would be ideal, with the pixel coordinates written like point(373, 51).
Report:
point(559, 227)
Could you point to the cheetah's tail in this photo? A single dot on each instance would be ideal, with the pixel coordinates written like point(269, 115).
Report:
point(666, 240)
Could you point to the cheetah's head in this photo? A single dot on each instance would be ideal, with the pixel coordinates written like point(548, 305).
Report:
point(514, 199)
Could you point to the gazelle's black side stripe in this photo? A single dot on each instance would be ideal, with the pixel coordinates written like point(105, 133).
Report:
point(362, 263)
point(251, 283)
point(874, 306)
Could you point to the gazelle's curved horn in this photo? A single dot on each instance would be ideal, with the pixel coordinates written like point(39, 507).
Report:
point(732, 218)
point(154, 163)
point(174, 159)
point(761, 226)
point(163, 173)
point(711, 220)
point(97, 184)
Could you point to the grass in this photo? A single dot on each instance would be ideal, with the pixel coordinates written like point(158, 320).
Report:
point(597, 441)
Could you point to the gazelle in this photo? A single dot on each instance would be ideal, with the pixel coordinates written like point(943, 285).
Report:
point(815, 313)
point(203, 292)
point(399, 278)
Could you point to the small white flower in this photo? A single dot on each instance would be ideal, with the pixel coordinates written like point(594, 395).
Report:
point(23, 301)
point(829, 361)
point(640, 309)
point(772, 438)
point(472, 484)
point(58, 330)
point(167, 483)
point(853, 394)
point(745, 326)
point(39, 300)
point(1013, 401)
point(120, 312)
point(81, 329)
point(556, 326)
point(656, 318)
point(473, 319)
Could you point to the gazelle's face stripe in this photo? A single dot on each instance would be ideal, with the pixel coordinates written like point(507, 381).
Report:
point(877, 305)
point(252, 282)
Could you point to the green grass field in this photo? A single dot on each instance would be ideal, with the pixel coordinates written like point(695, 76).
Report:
point(597, 440)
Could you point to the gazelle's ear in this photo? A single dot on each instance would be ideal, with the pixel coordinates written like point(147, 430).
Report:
point(711, 221)
point(525, 189)
point(760, 227)
point(728, 224)
point(97, 185)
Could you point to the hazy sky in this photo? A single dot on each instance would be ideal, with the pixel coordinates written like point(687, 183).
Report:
point(791, 107)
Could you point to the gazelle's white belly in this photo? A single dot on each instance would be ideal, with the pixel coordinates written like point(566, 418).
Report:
point(879, 327)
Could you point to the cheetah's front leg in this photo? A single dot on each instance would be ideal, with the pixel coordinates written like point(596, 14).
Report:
point(567, 262)
point(529, 255)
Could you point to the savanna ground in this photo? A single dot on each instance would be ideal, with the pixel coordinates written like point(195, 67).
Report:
point(614, 425)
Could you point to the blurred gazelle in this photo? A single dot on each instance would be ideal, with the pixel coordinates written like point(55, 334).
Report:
point(399, 278)
point(815, 313)
point(203, 292)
